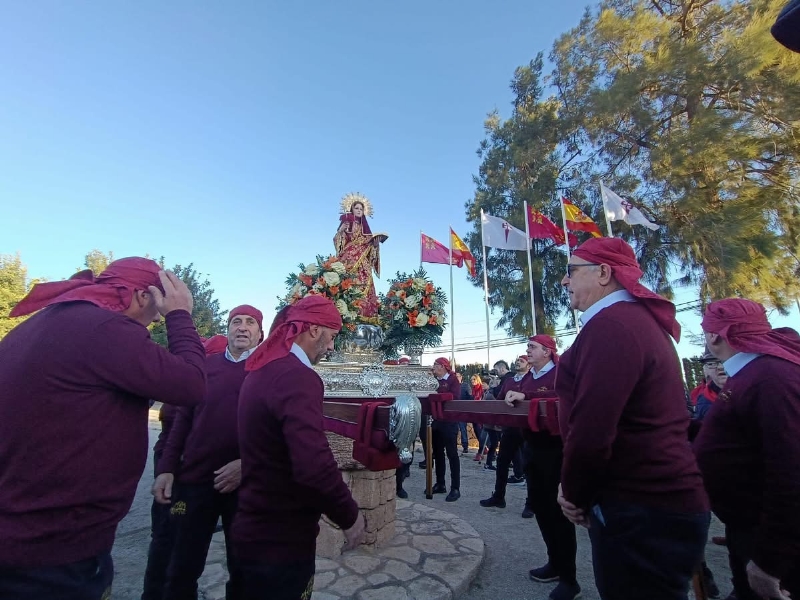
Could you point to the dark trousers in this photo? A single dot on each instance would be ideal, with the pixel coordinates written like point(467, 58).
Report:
point(740, 552)
point(444, 440)
point(260, 581)
point(640, 552)
point(88, 579)
point(158, 555)
point(543, 470)
point(511, 443)
point(462, 427)
point(489, 439)
point(196, 509)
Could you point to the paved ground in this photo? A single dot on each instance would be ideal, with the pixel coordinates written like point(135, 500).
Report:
point(513, 544)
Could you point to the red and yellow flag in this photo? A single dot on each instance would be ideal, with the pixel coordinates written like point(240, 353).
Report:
point(433, 251)
point(463, 251)
point(578, 221)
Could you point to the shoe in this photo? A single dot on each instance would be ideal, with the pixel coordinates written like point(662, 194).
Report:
point(439, 488)
point(494, 501)
point(527, 512)
point(478, 458)
point(464, 451)
point(453, 495)
point(566, 591)
point(490, 467)
point(545, 574)
point(422, 464)
point(401, 493)
point(516, 480)
point(719, 540)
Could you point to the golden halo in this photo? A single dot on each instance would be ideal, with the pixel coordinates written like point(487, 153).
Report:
point(352, 198)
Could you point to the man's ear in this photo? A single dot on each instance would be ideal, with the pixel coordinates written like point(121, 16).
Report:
point(605, 274)
point(314, 331)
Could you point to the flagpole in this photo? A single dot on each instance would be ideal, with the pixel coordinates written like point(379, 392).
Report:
point(486, 295)
point(452, 322)
point(530, 268)
point(566, 239)
point(420, 248)
point(605, 211)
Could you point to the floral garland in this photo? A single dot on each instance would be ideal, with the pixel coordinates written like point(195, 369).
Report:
point(327, 277)
point(414, 310)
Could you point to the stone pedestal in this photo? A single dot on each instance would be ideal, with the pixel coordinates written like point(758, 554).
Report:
point(373, 491)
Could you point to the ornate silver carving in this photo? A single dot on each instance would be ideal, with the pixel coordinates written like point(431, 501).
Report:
point(414, 352)
point(374, 381)
point(405, 416)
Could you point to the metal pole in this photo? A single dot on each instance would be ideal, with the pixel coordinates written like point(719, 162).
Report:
point(486, 295)
point(428, 458)
point(530, 269)
point(605, 210)
point(566, 240)
point(452, 298)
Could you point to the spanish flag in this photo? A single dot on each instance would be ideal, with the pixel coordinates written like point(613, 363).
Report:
point(578, 221)
point(460, 248)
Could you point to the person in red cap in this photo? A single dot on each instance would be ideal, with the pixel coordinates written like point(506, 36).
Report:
point(289, 474)
point(76, 380)
point(748, 448)
point(628, 469)
point(201, 456)
point(445, 434)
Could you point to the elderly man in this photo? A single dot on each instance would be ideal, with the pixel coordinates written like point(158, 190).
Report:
point(628, 471)
point(289, 474)
point(202, 455)
point(75, 384)
point(444, 434)
point(748, 448)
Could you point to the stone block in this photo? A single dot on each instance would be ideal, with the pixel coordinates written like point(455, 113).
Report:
point(366, 492)
point(390, 592)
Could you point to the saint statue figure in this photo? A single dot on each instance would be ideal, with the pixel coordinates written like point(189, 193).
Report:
point(359, 249)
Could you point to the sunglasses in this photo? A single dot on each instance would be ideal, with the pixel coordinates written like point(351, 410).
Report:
point(571, 266)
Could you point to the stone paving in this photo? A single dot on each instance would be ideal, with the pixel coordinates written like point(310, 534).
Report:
point(434, 555)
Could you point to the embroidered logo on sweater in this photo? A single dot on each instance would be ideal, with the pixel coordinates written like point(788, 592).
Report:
point(179, 508)
point(309, 590)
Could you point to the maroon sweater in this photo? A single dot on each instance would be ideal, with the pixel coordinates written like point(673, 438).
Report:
point(528, 385)
point(289, 475)
point(206, 436)
point(749, 452)
point(166, 415)
point(75, 385)
point(623, 416)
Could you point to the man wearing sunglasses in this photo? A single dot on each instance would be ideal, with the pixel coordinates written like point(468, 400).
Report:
point(628, 472)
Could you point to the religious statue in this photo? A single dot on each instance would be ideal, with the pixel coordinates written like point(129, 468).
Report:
point(359, 249)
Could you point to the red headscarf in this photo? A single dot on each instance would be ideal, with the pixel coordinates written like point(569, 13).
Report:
point(247, 310)
point(215, 344)
point(311, 310)
point(112, 289)
point(743, 324)
point(547, 342)
point(618, 255)
point(445, 363)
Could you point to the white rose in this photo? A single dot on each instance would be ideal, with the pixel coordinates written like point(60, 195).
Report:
point(422, 320)
point(413, 300)
point(341, 306)
point(316, 287)
point(419, 283)
point(339, 268)
point(311, 270)
point(331, 278)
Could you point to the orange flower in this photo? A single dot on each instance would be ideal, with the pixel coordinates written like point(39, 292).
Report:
point(412, 318)
point(432, 320)
point(346, 284)
point(401, 294)
point(390, 294)
point(320, 282)
point(351, 326)
point(334, 290)
point(305, 280)
point(428, 288)
point(426, 302)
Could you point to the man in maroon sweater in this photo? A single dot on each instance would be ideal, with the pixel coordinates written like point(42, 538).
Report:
point(444, 434)
point(75, 384)
point(289, 474)
point(748, 448)
point(202, 456)
point(628, 471)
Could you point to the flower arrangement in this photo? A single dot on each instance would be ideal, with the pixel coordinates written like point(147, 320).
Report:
point(414, 312)
point(326, 277)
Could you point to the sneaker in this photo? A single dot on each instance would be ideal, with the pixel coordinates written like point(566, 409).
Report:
point(439, 488)
point(545, 574)
point(453, 495)
point(516, 480)
point(566, 591)
point(490, 467)
point(527, 512)
point(464, 451)
point(494, 500)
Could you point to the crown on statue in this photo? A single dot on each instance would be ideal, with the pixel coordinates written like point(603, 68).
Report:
point(353, 198)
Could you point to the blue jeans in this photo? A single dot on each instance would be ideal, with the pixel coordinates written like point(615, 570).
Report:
point(642, 552)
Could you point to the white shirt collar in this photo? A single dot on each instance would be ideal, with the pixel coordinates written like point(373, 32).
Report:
point(548, 367)
point(242, 357)
point(612, 298)
point(301, 354)
point(738, 361)
point(446, 376)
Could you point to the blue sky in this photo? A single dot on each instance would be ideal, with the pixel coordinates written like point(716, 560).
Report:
point(225, 135)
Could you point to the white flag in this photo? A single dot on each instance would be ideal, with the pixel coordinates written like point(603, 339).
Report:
point(499, 233)
point(619, 209)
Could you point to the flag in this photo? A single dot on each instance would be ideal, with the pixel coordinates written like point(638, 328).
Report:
point(437, 252)
point(619, 209)
point(498, 233)
point(463, 252)
point(540, 227)
point(578, 221)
